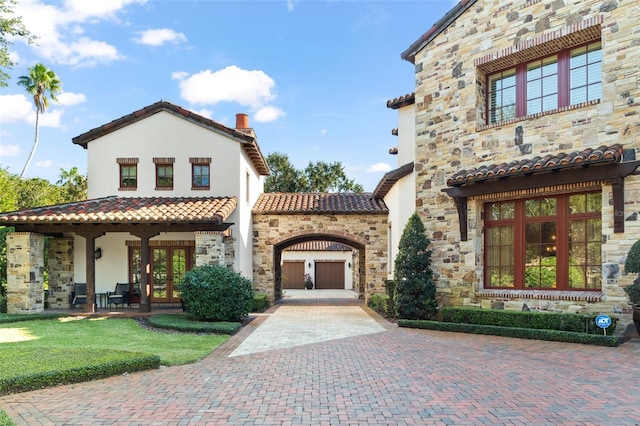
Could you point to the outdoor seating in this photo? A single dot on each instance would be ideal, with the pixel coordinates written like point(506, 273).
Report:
point(120, 296)
point(79, 294)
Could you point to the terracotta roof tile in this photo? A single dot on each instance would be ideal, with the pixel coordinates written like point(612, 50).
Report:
point(129, 210)
point(399, 102)
point(249, 142)
point(319, 246)
point(312, 203)
point(589, 156)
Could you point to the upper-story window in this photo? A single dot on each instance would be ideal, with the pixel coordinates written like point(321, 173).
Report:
point(200, 173)
point(570, 77)
point(128, 174)
point(164, 172)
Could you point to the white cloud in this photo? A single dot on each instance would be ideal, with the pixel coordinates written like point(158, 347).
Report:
point(253, 89)
point(291, 4)
point(378, 167)
point(179, 75)
point(20, 109)
point(267, 114)
point(15, 109)
point(59, 28)
point(323, 132)
point(207, 113)
point(9, 150)
point(70, 98)
point(43, 164)
point(159, 36)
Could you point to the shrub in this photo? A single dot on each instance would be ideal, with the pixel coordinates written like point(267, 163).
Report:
point(576, 323)
point(520, 333)
point(260, 303)
point(185, 324)
point(415, 291)
point(390, 288)
point(632, 264)
point(379, 302)
point(216, 293)
point(3, 304)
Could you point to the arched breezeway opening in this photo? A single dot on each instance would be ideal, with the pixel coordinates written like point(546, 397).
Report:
point(357, 266)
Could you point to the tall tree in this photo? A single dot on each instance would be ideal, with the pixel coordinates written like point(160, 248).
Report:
point(74, 185)
point(10, 26)
point(415, 291)
point(316, 177)
point(40, 82)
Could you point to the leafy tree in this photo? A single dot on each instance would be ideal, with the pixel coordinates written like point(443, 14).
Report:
point(415, 291)
point(284, 177)
point(74, 185)
point(10, 26)
point(40, 82)
point(316, 177)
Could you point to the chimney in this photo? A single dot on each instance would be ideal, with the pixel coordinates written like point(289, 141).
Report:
point(242, 121)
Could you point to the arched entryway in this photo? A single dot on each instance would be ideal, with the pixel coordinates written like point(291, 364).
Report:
point(358, 272)
point(283, 220)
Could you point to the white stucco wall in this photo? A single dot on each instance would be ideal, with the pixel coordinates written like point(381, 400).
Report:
point(313, 256)
point(406, 134)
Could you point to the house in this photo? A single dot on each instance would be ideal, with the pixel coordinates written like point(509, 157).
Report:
point(168, 188)
point(526, 151)
point(328, 264)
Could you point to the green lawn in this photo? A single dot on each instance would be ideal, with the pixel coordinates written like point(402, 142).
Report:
point(112, 334)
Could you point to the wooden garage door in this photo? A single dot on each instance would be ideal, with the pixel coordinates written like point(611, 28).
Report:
point(330, 275)
point(293, 275)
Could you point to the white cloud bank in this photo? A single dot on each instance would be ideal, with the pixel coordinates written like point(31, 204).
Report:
point(378, 167)
point(253, 89)
point(20, 109)
point(60, 29)
point(159, 37)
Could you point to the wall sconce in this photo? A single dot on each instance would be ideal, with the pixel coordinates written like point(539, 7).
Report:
point(97, 254)
point(349, 264)
point(309, 264)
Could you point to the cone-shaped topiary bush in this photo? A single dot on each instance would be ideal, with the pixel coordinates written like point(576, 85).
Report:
point(216, 293)
point(415, 291)
point(632, 264)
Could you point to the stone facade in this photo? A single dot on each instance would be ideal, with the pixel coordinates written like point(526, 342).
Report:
point(60, 265)
point(214, 248)
point(452, 134)
point(365, 233)
point(25, 273)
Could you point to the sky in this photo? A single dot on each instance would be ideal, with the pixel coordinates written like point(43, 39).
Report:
point(313, 76)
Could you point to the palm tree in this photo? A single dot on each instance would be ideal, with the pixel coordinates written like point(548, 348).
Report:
point(40, 82)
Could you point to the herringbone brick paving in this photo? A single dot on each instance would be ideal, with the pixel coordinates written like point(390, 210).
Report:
point(394, 377)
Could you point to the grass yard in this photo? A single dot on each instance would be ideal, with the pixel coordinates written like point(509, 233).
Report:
point(114, 334)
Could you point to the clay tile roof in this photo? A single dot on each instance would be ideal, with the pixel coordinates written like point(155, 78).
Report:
point(548, 162)
point(249, 142)
point(314, 203)
point(408, 99)
point(129, 210)
point(390, 179)
point(319, 246)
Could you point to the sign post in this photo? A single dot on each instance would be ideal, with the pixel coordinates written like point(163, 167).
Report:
point(603, 321)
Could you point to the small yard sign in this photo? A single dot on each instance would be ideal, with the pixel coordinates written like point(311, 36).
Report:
point(603, 321)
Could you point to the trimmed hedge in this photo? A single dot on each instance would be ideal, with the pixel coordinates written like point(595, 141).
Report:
point(9, 318)
point(184, 323)
point(521, 333)
point(378, 302)
point(39, 380)
point(260, 303)
point(518, 319)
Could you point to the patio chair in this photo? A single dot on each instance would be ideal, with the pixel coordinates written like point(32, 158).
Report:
point(79, 294)
point(120, 296)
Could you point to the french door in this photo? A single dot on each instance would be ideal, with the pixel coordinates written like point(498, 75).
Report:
point(168, 266)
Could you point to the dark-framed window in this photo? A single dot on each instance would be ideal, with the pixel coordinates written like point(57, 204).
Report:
point(200, 176)
point(128, 176)
point(569, 77)
point(547, 243)
point(164, 176)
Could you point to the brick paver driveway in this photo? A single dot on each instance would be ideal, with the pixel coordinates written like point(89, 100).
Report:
point(393, 376)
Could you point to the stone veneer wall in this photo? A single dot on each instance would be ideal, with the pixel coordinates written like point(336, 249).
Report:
point(451, 133)
point(60, 265)
point(368, 231)
point(214, 248)
point(25, 273)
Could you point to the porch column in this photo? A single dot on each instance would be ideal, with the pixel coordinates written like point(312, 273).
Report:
point(90, 261)
point(25, 273)
point(145, 269)
point(60, 272)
